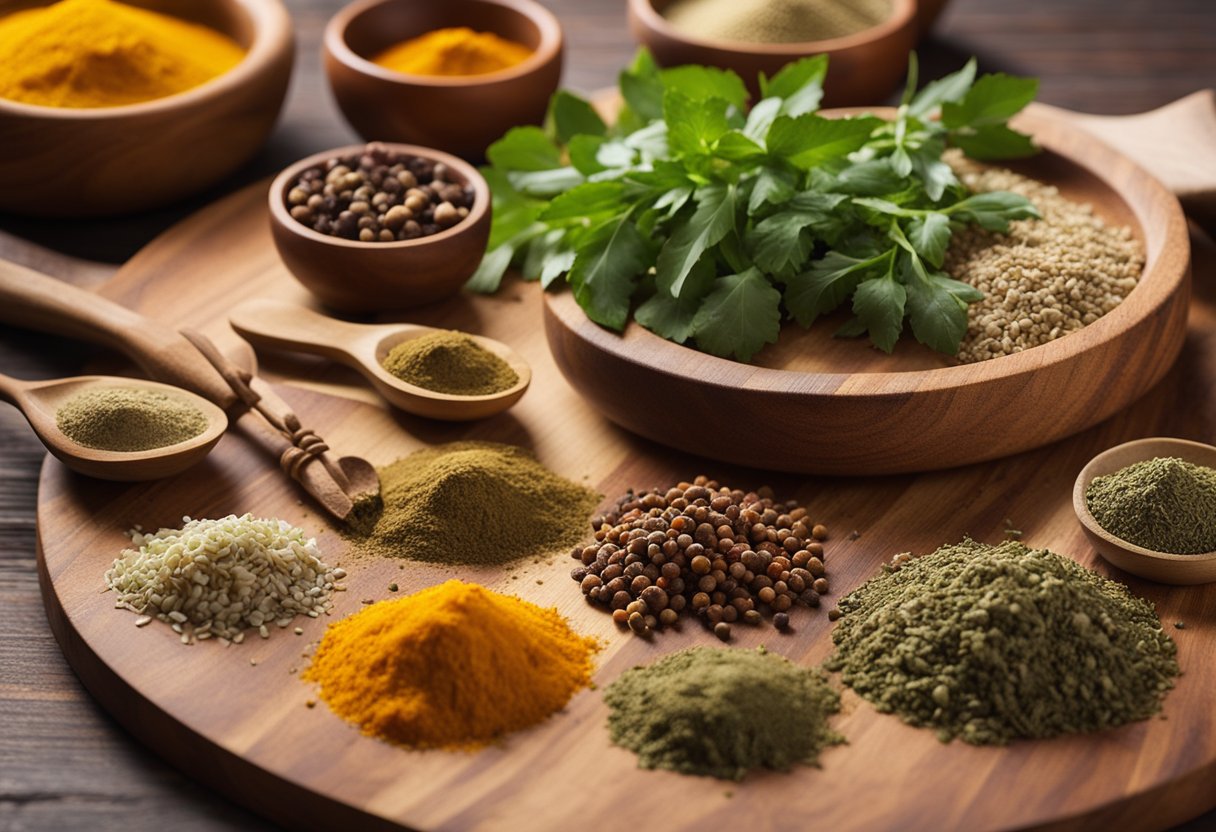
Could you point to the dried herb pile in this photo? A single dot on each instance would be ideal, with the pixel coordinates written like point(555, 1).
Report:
point(1164, 504)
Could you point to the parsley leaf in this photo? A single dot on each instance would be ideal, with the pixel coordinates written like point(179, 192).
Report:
point(879, 305)
point(606, 270)
point(712, 221)
point(740, 315)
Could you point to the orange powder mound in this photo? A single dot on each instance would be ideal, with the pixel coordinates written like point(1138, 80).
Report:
point(455, 666)
point(455, 51)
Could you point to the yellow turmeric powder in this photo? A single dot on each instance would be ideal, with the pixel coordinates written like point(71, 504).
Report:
point(454, 666)
point(455, 51)
point(100, 53)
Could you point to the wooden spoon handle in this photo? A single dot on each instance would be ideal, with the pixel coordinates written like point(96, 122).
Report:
point(278, 325)
point(31, 300)
point(11, 389)
point(1176, 144)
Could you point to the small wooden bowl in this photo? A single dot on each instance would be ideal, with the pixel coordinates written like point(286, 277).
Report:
point(1162, 567)
point(65, 162)
point(863, 67)
point(462, 115)
point(366, 277)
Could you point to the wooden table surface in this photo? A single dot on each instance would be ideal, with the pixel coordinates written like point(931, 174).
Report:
point(65, 763)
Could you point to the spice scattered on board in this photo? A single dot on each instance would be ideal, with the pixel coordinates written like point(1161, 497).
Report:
point(721, 712)
point(128, 419)
point(453, 666)
point(1164, 504)
point(1042, 279)
point(471, 503)
point(724, 554)
point(379, 196)
point(995, 643)
point(450, 362)
point(775, 21)
point(99, 53)
point(217, 578)
point(457, 51)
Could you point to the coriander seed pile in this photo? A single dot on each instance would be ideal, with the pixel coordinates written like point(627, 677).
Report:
point(1043, 279)
point(725, 554)
point(379, 196)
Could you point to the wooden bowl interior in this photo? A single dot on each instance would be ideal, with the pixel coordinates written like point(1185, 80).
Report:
point(385, 24)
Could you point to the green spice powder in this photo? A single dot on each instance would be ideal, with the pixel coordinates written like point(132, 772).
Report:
point(129, 419)
point(720, 712)
point(775, 21)
point(995, 643)
point(472, 503)
point(1164, 504)
point(450, 362)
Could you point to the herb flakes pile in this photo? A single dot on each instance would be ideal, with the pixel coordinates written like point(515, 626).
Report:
point(995, 643)
point(709, 223)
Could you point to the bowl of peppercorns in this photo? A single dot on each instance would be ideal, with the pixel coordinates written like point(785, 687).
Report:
point(380, 226)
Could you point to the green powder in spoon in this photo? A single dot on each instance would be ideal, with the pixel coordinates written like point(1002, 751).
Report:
point(128, 419)
point(450, 362)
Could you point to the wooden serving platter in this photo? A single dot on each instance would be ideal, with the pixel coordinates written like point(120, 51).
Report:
point(245, 729)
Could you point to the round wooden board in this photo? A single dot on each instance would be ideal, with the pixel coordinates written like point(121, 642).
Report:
point(245, 728)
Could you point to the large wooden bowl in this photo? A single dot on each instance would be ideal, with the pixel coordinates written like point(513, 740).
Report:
point(66, 162)
point(815, 404)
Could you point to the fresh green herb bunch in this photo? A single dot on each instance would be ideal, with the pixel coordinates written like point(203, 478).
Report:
point(710, 221)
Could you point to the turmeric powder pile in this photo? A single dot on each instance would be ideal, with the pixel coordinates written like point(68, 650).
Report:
point(455, 666)
point(99, 53)
point(455, 51)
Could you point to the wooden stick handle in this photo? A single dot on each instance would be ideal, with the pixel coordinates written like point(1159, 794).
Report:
point(11, 389)
point(31, 300)
point(278, 325)
point(1176, 144)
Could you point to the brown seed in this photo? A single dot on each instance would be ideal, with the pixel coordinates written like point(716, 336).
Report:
point(781, 620)
point(722, 630)
point(620, 617)
point(820, 586)
point(819, 532)
point(834, 613)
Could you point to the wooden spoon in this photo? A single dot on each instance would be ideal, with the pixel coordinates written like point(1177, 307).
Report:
point(1162, 567)
point(40, 400)
point(277, 325)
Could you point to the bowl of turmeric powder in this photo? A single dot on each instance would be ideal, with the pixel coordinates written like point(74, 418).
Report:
point(110, 107)
point(454, 75)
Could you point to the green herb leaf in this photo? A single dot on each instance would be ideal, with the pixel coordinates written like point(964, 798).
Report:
point(992, 210)
point(545, 183)
point(740, 315)
point(606, 270)
point(930, 235)
point(693, 126)
point(991, 100)
point(773, 186)
point(586, 201)
point(490, 271)
point(810, 140)
point(780, 243)
point(572, 116)
point(825, 286)
point(761, 118)
point(713, 220)
point(704, 82)
point(524, 149)
point(672, 317)
point(951, 88)
point(736, 147)
point(994, 141)
point(870, 178)
point(799, 83)
point(879, 304)
point(642, 89)
point(937, 310)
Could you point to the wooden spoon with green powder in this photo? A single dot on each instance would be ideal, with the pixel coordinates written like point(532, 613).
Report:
point(452, 361)
point(162, 430)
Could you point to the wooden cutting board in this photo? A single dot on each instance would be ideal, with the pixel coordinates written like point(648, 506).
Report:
point(245, 729)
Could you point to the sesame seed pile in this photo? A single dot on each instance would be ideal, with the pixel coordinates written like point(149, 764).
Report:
point(1046, 277)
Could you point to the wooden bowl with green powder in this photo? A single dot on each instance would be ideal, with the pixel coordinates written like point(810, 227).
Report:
point(1159, 491)
point(867, 41)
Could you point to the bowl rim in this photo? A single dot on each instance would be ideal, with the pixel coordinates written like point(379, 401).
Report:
point(1090, 523)
point(549, 48)
point(903, 14)
point(272, 35)
point(281, 217)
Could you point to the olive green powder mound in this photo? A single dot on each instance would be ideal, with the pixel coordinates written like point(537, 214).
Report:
point(1164, 504)
point(472, 503)
point(450, 362)
point(129, 419)
point(721, 712)
point(995, 643)
point(775, 21)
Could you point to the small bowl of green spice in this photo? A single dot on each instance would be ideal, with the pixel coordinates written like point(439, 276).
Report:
point(1149, 508)
point(866, 41)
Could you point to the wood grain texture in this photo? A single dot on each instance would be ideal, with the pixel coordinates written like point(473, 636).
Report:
point(66, 763)
point(838, 406)
point(307, 769)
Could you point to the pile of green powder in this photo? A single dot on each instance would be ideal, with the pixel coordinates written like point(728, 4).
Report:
point(450, 362)
point(775, 21)
point(995, 643)
point(472, 503)
point(720, 712)
point(128, 419)
point(1164, 504)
